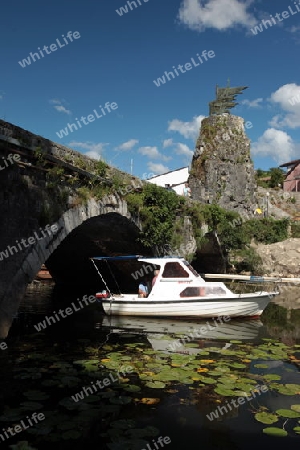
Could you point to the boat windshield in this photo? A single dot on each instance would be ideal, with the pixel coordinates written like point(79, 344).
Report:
point(174, 270)
point(194, 272)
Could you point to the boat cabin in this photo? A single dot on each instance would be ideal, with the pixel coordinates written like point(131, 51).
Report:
point(178, 279)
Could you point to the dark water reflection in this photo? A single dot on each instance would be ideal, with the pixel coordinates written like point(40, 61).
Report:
point(43, 362)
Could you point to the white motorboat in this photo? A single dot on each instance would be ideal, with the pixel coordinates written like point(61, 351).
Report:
point(179, 291)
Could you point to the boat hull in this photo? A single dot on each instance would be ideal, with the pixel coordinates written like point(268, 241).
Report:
point(244, 305)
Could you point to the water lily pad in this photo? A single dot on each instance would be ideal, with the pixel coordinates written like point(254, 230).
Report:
point(31, 406)
point(71, 434)
point(237, 365)
point(224, 391)
point(128, 444)
point(49, 383)
point(143, 432)
point(121, 400)
point(22, 445)
point(66, 425)
point(11, 415)
point(289, 389)
point(84, 362)
point(261, 366)
point(208, 380)
point(297, 430)
point(288, 413)
point(272, 377)
point(296, 408)
point(123, 424)
point(132, 388)
point(36, 395)
point(156, 384)
point(266, 417)
point(69, 404)
point(274, 431)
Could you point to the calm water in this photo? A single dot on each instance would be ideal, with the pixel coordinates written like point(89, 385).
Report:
point(158, 384)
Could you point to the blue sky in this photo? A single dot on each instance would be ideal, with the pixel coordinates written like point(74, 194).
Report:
point(115, 58)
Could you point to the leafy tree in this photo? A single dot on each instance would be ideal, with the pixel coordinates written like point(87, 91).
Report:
point(158, 215)
point(277, 177)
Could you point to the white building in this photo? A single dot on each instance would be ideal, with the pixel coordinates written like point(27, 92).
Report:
point(175, 179)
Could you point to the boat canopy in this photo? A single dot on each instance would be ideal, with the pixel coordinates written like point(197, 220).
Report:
point(162, 260)
point(116, 258)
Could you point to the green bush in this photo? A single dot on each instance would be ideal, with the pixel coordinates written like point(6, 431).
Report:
point(295, 230)
point(248, 261)
point(134, 202)
point(101, 168)
point(267, 230)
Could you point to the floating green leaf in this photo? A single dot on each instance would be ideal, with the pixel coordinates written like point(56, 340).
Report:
point(132, 388)
point(123, 424)
point(272, 377)
point(224, 391)
point(274, 431)
point(288, 389)
point(36, 395)
point(296, 408)
point(72, 434)
point(266, 417)
point(288, 413)
point(155, 384)
point(31, 406)
point(121, 400)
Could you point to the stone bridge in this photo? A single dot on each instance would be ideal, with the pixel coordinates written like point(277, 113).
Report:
point(48, 215)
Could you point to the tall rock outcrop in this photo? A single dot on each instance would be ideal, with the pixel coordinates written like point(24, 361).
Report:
point(222, 171)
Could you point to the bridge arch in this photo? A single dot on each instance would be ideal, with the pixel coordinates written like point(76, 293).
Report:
point(107, 215)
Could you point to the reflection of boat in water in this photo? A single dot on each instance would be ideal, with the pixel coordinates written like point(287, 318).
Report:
point(179, 291)
point(173, 335)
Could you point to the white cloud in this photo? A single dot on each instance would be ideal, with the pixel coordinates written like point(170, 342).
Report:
point(152, 152)
point(219, 14)
point(58, 105)
point(183, 149)
point(167, 143)
point(55, 101)
point(288, 98)
point(157, 168)
point(128, 145)
point(294, 29)
point(94, 150)
point(277, 144)
point(189, 130)
point(61, 108)
point(252, 103)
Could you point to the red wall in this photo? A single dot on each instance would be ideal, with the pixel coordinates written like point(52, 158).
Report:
point(290, 184)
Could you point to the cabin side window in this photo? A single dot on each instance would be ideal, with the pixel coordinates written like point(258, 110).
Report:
point(193, 292)
point(174, 270)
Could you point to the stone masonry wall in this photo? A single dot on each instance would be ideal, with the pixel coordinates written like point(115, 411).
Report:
point(222, 171)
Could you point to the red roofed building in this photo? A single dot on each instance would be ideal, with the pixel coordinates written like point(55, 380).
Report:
point(292, 179)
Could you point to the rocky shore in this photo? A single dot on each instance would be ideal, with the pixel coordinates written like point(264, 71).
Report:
point(281, 259)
